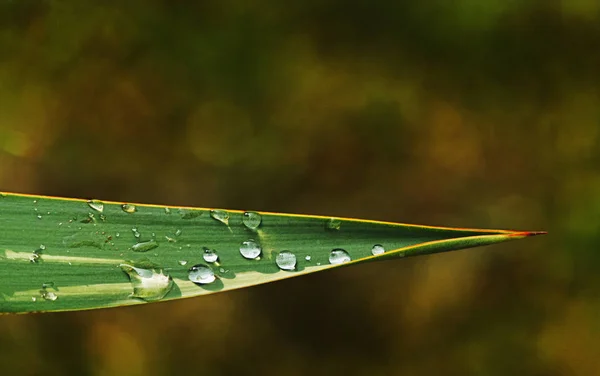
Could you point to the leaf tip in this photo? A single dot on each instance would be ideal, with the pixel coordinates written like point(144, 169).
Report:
point(525, 234)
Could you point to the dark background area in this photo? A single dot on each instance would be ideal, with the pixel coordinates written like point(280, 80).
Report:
point(470, 113)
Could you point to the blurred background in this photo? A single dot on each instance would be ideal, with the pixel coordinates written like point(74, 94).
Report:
point(471, 113)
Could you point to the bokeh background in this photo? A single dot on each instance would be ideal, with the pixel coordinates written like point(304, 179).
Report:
point(471, 113)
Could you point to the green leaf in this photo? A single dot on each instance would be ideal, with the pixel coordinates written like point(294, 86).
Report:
point(66, 254)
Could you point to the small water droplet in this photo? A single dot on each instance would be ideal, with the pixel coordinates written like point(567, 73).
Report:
point(377, 249)
point(307, 258)
point(221, 216)
point(170, 239)
point(252, 220)
point(39, 216)
point(333, 224)
point(177, 232)
point(250, 249)
point(286, 260)
point(167, 210)
point(97, 205)
point(339, 256)
point(117, 235)
point(136, 233)
point(182, 262)
point(48, 295)
point(45, 285)
point(33, 299)
point(144, 246)
point(42, 247)
point(34, 202)
point(210, 255)
point(128, 208)
point(148, 284)
point(201, 274)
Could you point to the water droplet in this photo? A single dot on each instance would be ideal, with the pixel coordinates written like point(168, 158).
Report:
point(45, 285)
point(39, 216)
point(136, 233)
point(144, 246)
point(250, 249)
point(33, 299)
point(177, 232)
point(286, 260)
point(210, 255)
point(34, 257)
point(170, 239)
point(182, 262)
point(252, 220)
point(333, 224)
point(307, 258)
point(201, 274)
point(42, 247)
point(221, 216)
point(117, 235)
point(339, 256)
point(377, 249)
point(34, 202)
point(129, 208)
point(148, 284)
point(97, 205)
point(48, 295)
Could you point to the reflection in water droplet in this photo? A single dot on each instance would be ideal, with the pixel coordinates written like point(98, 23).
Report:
point(129, 208)
point(48, 295)
point(221, 216)
point(97, 205)
point(339, 256)
point(307, 258)
point(210, 255)
point(250, 249)
point(182, 262)
point(333, 224)
point(144, 246)
point(201, 274)
point(251, 220)
point(286, 260)
point(377, 249)
point(148, 284)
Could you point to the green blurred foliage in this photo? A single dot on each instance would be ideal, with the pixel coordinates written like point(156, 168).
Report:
point(465, 113)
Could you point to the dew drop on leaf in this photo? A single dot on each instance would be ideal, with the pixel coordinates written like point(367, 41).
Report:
point(148, 284)
point(210, 255)
point(286, 260)
point(48, 295)
point(251, 220)
point(377, 250)
point(201, 274)
point(128, 208)
point(182, 262)
point(250, 249)
point(339, 256)
point(221, 216)
point(307, 258)
point(97, 205)
point(144, 246)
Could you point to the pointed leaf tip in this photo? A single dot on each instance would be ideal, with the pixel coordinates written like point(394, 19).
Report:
point(525, 234)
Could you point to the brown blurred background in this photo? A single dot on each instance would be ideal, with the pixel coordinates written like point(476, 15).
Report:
point(474, 113)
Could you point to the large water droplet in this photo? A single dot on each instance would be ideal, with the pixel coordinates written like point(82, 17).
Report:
point(97, 205)
point(339, 256)
point(129, 208)
point(148, 284)
point(377, 249)
point(333, 224)
point(221, 216)
point(210, 255)
point(286, 260)
point(201, 274)
point(144, 246)
point(251, 220)
point(250, 249)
